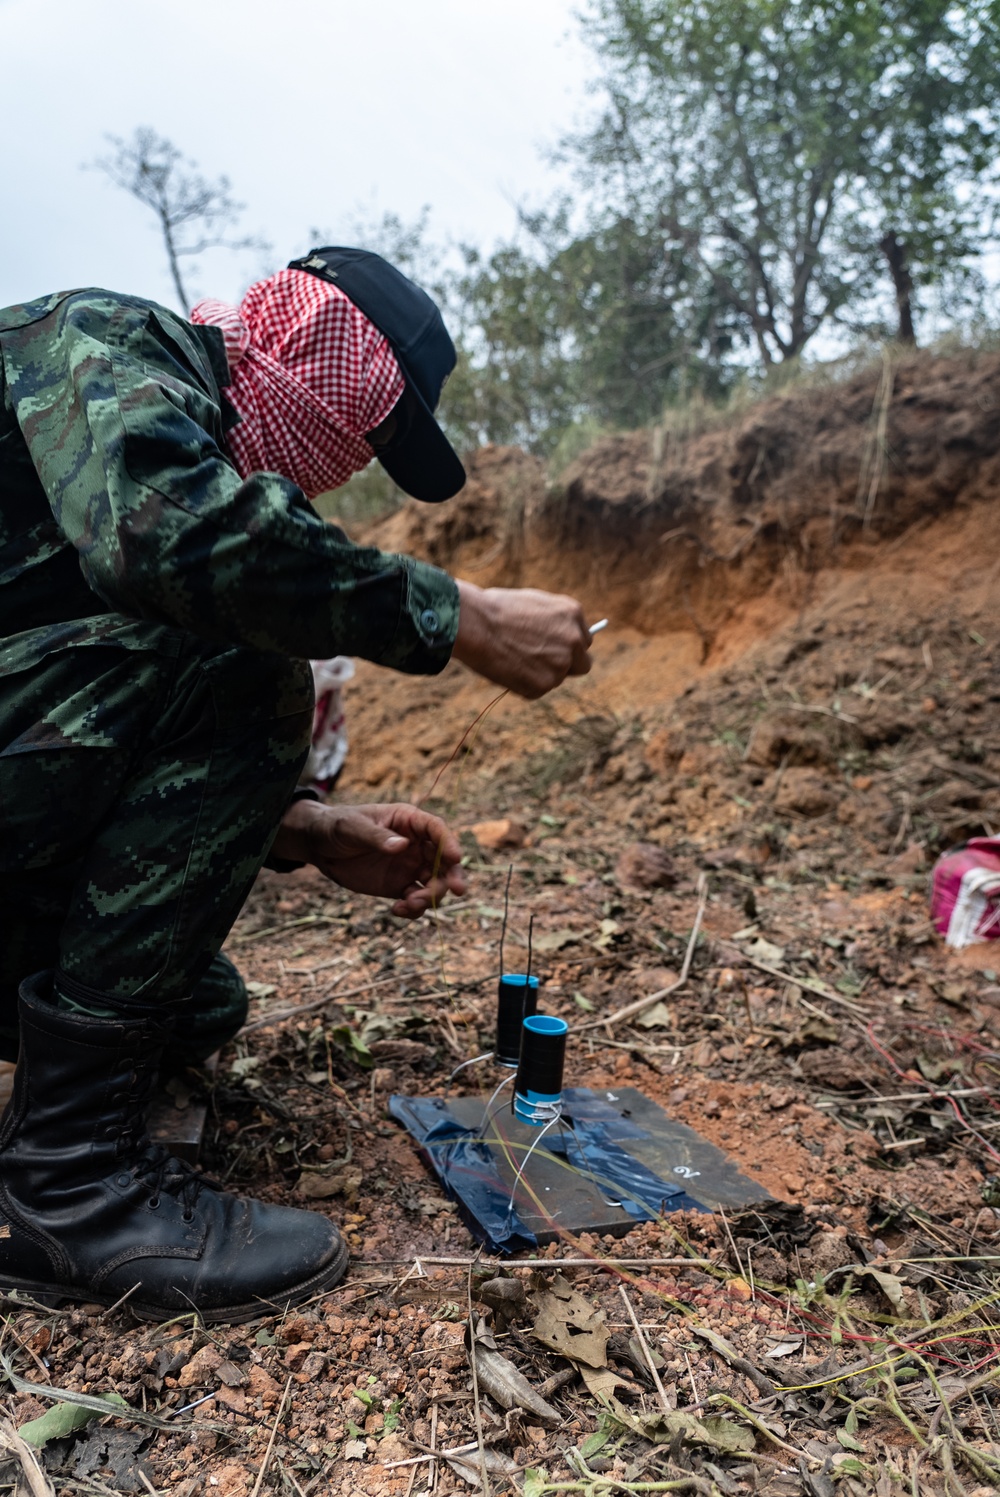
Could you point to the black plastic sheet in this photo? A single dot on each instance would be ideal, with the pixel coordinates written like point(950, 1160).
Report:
point(580, 1177)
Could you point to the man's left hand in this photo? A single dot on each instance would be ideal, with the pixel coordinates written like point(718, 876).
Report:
point(395, 851)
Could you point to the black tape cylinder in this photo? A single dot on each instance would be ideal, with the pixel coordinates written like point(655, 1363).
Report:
point(543, 1056)
point(517, 997)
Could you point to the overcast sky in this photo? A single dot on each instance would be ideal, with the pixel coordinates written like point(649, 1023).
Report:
point(318, 112)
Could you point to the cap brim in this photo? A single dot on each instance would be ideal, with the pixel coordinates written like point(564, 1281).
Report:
point(423, 462)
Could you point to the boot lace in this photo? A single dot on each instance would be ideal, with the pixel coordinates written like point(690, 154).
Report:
point(163, 1174)
point(149, 1162)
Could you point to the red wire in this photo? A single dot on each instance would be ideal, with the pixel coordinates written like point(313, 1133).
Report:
point(460, 744)
point(931, 1091)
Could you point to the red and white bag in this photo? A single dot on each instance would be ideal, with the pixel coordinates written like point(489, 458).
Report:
point(965, 893)
point(329, 735)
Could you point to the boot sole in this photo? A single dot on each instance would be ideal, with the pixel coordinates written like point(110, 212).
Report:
point(53, 1295)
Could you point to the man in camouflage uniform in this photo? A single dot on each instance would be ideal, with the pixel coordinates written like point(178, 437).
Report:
point(157, 611)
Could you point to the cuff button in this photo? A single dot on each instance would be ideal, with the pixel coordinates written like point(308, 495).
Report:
point(429, 621)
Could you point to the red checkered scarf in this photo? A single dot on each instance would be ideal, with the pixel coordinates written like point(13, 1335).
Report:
point(310, 375)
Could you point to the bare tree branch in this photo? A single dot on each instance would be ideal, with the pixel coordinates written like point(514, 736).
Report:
point(153, 170)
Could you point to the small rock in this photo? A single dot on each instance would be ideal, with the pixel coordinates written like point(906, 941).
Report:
point(231, 1481)
point(646, 866)
point(201, 1369)
point(664, 751)
point(261, 1384)
point(825, 1252)
point(233, 1398)
point(444, 1333)
point(298, 1328)
point(910, 861)
point(832, 1067)
point(703, 1055)
point(494, 836)
point(296, 1355)
point(769, 1268)
point(806, 791)
point(383, 1079)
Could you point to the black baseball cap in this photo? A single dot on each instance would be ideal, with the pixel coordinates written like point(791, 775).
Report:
point(419, 458)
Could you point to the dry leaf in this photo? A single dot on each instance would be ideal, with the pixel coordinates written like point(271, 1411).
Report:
point(502, 1380)
point(234, 1377)
point(555, 940)
point(315, 1187)
point(712, 1430)
point(568, 1324)
point(602, 1382)
point(610, 932)
point(657, 1017)
point(766, 951)
point(890, 1285)
point(470, 1467)
point(504, 1297)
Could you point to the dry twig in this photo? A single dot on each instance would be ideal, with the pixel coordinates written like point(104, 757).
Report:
point(641, 1004)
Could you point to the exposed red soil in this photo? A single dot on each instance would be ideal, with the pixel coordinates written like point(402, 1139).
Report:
point(805, 725)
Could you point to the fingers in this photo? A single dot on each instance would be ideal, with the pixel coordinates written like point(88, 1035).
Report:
point(420, 898)
point(350, 831)
point(521, 638)
point(582, 661)
point(437, 843)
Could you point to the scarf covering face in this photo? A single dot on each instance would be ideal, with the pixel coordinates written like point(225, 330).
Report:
point(310, 376)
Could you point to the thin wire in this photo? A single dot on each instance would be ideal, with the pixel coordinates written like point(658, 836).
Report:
point(487, 1116)
point(475, 1061)
point(587, 1168)
point(506, 907)
point(527, 980)
point(931, 1091)
point(524, 1163)
point(461, 743)
point(538, 1112)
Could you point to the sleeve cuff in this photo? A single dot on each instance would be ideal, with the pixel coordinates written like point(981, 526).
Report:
point(422, 641)
point(286, 865)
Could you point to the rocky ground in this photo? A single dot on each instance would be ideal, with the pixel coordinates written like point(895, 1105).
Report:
point(780, 775)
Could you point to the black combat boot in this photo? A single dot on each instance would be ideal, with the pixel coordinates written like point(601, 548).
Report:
point(90, 1207)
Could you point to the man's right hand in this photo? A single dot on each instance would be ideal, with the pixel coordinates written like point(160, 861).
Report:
point(521, 638)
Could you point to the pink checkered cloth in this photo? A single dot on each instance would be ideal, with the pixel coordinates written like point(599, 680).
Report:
point(310, 376)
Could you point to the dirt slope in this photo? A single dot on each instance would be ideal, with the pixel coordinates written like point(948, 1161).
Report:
point(791, 713)
point(664, 534)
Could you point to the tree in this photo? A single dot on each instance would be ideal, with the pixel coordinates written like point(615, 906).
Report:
point(795, 150)
point(602, 326)
point(185, 203)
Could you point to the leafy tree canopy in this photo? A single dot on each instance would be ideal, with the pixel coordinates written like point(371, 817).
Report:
point(797, 150)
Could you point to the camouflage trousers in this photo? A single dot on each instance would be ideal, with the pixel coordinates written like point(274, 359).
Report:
point(140, 791)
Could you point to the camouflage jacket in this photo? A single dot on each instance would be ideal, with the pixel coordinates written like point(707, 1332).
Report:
point(119, 503)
